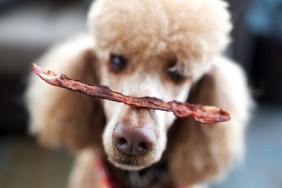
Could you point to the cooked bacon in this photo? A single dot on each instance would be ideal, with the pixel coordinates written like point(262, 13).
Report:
point(202, 114)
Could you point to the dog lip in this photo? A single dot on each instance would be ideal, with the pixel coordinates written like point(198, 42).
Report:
point(127, 162)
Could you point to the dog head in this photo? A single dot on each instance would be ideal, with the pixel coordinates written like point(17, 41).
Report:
point(153, 48)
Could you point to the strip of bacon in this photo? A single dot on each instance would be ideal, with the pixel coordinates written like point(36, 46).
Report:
point(202, 114)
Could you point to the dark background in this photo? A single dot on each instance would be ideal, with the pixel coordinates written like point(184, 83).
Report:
point(28, 28)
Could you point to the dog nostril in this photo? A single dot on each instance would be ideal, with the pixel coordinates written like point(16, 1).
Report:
point(123, 145)
point(142, 146)
point(122, 141)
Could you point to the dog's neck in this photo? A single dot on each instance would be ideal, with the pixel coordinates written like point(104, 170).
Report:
point(156, 176)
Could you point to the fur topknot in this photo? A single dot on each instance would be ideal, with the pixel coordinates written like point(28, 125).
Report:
point(192, 29)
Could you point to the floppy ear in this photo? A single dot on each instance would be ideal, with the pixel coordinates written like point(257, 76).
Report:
point(61, 117)
point(203, 152)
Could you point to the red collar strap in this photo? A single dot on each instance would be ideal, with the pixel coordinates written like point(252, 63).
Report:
point(102, 175)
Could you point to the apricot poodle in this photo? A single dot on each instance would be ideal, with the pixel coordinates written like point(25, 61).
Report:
point(169, 49)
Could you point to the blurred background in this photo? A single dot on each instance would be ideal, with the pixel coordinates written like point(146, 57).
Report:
point(29, 27)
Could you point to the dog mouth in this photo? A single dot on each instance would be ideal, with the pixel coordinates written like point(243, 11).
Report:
point(154, 176)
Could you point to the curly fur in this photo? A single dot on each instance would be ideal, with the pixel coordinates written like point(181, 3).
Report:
point(150, 34)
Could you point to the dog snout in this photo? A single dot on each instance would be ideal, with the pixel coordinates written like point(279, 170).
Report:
point(133, 140)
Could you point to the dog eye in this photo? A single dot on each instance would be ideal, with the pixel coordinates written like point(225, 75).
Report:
point(117, 63)
point(177, 76)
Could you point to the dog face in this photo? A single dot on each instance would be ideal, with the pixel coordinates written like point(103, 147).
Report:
point(155, 48)
point(143, 129)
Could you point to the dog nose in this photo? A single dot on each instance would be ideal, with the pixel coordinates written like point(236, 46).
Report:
point(133, 141)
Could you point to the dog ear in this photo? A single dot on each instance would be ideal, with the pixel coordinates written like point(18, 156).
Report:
point(59, 117)
point(202, 152)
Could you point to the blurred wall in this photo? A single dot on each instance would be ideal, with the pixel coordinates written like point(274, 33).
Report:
point(27, 29)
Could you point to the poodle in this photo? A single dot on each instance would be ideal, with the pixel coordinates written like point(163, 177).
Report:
point(169, 49)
